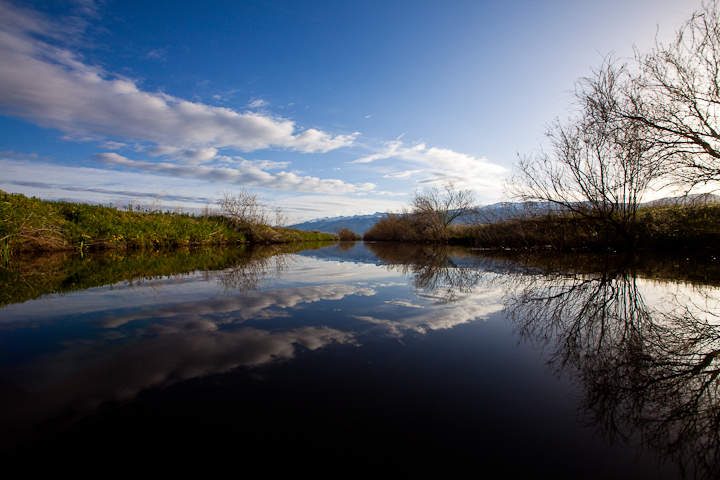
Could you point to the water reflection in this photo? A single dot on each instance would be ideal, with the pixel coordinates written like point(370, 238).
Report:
point(647, 372)
point(255, 270)
point(434, 270)
point(193, 350)
point(641, 351)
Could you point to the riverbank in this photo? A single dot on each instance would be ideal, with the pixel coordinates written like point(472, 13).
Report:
point(661, 228)
point(33, 225)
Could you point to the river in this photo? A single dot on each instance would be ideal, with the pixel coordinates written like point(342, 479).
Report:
point(367, 358)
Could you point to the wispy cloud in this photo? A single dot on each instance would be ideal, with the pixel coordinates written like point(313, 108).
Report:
point(257, 103)
point(250, 175)
point(49, 84)
point(110, 145)
point(158, 53)
point(404, 174)
point(392, 149)
point(117, 193)
point(264, 164)
point(194, 156)
point(12, 154)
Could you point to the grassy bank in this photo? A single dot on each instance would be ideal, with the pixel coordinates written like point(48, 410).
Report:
point(655, 228)
point(32, 225)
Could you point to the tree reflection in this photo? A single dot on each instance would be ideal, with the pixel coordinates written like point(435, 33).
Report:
point(434, 270)
point(255, 269)
point(345, 246)
point(647, 373)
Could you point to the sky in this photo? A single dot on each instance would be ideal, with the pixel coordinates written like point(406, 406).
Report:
point(325, 108)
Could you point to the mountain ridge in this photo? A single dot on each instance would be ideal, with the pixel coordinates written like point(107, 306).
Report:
point(494, 212)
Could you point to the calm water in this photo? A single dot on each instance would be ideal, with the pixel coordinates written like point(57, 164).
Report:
point(374, 358)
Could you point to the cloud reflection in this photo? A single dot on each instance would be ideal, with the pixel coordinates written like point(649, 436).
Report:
point(241, 308)
point(157, 362)
point(438, 316)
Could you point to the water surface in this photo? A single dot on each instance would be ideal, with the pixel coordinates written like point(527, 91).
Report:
point(371, 357)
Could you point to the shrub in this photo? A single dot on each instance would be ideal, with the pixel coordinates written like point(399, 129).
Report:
point(347, 235)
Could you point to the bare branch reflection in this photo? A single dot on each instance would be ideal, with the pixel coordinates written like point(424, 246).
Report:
point(647, 373)
point(434, 270)
point(255, 269)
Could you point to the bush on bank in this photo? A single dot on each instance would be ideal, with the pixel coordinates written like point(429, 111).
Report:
point(347, 235)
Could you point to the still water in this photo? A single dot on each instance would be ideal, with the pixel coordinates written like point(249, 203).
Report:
point(367, 358)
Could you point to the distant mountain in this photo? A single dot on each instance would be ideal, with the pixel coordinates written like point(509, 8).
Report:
point(362, 223)
point(488, 214)
point(357, 223)
point(694, 199)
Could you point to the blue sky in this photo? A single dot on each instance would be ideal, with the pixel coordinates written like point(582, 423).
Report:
point(326, 108)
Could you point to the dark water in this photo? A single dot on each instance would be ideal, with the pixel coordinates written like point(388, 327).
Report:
point(374, 359)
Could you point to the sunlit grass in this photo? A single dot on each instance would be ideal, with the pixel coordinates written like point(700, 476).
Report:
point(31, 224)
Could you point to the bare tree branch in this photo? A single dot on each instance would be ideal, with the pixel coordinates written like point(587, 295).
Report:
point(440, 206)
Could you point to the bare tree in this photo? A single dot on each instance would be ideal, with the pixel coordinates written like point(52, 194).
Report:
point(676, 96)
point(282, 217)
point(599, 164)
point(246, 210)
point(441, 206)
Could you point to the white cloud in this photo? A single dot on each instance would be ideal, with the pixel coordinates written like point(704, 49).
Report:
point(250, 175)
point(440, 164)
point(192, 156)
point(52, 86)
point(113, 145)
point(264, 164)
point(160, 150)
point(404, 174)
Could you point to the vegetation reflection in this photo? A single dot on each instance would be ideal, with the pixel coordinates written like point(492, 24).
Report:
point(644, 369)
point(29, 277)
point(433, 269)
point(647, 368)
point(258, 267)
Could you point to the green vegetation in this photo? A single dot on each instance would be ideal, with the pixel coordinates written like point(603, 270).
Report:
point(33, 225)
